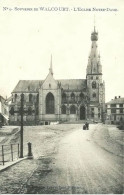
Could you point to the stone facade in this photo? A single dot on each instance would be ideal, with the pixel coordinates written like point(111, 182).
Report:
point(63, 100)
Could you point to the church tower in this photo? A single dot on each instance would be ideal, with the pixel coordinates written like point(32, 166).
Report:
point(95, 85)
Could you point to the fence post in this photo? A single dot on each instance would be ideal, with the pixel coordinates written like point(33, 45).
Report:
point(18, 150)
point(3, 154)
point(12, 152)
point(30, 155)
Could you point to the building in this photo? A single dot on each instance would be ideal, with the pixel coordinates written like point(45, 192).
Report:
point(4, 111)
point(63, 100)
point(115, 110)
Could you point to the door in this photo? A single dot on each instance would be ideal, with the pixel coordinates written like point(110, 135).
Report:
point(82, 113)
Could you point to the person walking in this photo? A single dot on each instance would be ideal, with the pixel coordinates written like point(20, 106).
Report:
point(87, 125)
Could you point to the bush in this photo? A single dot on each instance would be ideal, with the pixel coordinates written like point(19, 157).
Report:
point(121, 125)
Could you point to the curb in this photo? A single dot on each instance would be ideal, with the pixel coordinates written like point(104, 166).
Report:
point(11, 164)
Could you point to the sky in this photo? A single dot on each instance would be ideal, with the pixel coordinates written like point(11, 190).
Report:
point(28, 38)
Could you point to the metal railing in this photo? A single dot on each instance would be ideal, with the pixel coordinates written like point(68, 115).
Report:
point(8, 153)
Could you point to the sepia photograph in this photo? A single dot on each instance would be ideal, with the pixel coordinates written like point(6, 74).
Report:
point(61, 97)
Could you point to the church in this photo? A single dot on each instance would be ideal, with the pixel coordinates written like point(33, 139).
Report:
point(66, 100)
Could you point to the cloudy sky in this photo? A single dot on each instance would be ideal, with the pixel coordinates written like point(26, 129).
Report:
point(28, 38)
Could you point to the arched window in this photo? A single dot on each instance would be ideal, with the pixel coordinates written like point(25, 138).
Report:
point(94, 84)
point(15, 97)
point(30, 97)
point(63, 97)
point(12, 111)
point(29, 111)
point(37, 111)
point(72, 110)
point(50, 104)
point(63, 110)
point(94, 95)
point(72, 97)
point(37, 98)
point(81, 96)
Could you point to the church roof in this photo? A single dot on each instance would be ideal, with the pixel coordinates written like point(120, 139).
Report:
point(28, 86)
point(73, 83)
point(34, 85)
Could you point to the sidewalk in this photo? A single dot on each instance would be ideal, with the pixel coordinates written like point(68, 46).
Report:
point(11, 163)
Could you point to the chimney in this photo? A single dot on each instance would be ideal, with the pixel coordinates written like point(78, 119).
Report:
point(115, 97)
point(119, 96)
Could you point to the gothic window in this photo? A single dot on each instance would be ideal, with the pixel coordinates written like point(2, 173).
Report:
point(49, 85)
point(99, 115)
point(37, 111)
point(63, 97)
point(73, 96)
point(30, 97)
point(94, 85)
point(12, 110)
point(15, 97)
point(50, 103)
point(72, 110)
point(94, 95)
point(81, 96)
point(29, 111)
point(63, 109)
point(37, 100)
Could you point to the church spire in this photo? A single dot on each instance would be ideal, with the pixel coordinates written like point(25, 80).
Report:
point(94, 65)
point(51, 69)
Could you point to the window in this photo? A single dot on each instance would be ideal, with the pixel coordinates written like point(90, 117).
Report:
point(15, 97)
point(73, 110)
point(49, 85)
point(63, 97)
point(37, 98)
point(113, 105)
point(63, 110)
point(92, 109)
point(37, 111)
point(29, 111)
point(94, 84)
point(121, 110)
point(92, 77)
point(50, 103)
point(97, 78)
point(94, 95)
point(92, 114)
point(120, 105)
point(72, 96)
point(113, 110)
point(12, 111)
point(30, 97)
point(81, 96)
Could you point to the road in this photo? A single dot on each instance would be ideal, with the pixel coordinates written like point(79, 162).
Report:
point(67, 160)
point(78, 166)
